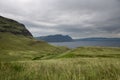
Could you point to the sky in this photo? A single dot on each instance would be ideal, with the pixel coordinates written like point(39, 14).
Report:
point(77, 18)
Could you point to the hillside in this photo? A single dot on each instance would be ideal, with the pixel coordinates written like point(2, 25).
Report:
point(55, 38)
point(17, 43)
point(14, 27)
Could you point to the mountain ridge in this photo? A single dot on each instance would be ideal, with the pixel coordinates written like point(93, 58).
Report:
point(55, 38)
point(14, 27)
point(98, 39)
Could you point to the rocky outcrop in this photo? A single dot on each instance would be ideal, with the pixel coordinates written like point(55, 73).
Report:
point(14, 27)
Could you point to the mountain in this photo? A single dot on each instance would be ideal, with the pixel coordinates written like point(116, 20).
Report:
point(17, 43)
point(55, 38)
point(14, 27)
point(98, 39)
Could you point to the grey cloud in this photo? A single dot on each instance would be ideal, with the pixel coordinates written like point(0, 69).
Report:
point(110, 29)
point(78, 18)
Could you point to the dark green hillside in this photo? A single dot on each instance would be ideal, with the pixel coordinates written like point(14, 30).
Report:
point(17, 43)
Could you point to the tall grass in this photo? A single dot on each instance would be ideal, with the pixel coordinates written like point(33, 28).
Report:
point(92, 52)
point(62, 69)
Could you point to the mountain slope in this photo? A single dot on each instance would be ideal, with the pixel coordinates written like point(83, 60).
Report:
point(9, 25)
point(17, 43)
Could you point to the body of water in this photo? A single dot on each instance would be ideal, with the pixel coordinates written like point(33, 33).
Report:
point(87, 43)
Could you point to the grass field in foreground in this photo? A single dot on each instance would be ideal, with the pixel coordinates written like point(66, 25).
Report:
point(62, 69)
point(84, 63)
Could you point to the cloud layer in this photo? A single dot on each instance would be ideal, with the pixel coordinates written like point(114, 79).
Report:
point(77, 18)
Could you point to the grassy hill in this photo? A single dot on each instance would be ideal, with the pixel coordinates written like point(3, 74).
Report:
point(19, 47)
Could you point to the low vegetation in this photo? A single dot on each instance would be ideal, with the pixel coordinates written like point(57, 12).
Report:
point(92, 52)
point(94, 64)
point(62, 69)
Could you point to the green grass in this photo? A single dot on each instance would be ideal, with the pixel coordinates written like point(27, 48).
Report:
point(84, 63)
point(62, 69)
point(92, 52)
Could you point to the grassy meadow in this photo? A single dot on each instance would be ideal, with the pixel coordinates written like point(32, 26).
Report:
point(87, 63)
point(92, 52)
point(62, 69)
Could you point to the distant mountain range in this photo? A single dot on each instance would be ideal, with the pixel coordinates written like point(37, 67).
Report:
point(98, 39)
point(67, 38)
point(55, 38)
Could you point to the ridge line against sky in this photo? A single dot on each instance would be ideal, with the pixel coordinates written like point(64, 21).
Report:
point(77, 18)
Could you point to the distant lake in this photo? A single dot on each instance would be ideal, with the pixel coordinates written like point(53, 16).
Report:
point(87, 43)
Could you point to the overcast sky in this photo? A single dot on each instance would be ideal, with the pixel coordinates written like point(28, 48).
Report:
point(77, 18)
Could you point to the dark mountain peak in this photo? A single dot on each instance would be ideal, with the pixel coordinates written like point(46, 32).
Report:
point(58, 35)
point(14, 27)
point(56, 38)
